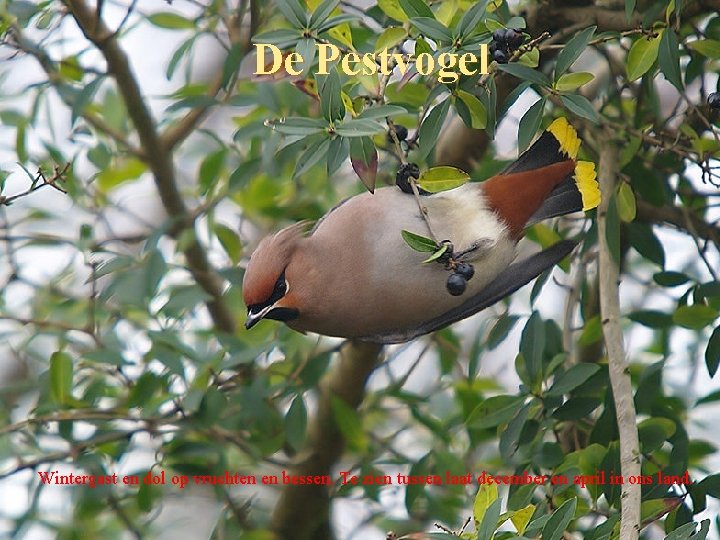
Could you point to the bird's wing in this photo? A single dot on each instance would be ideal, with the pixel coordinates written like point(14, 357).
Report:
point(517, 275)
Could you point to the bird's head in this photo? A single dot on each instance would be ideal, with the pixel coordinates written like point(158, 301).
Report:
point(266, 289)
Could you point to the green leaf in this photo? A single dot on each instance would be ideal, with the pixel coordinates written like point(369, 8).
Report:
point(430, 128)
point(322, 12)
point(494, 411)
point(475, 108)
point(530, 123)
point(653, 432)
point(442, 179)
point(643, 239)
point(61, 377)
point(390, 37)
point(525, 73)
point(418, 242)
point(294, 12)
point(626, 202)
point(364, 160)
point(430, 27)
point(470, 19)
point(559, 520)
point(382, 111)
point(652, 318)
point(296, 423)
point(171, 21)
point(489, 525)
point(629, 8)
point(348, 421)
point(331, 102)
point(521, 518)
point(435, 256)
point(532, 346)
point(306, 49)
point(706, 47)
point(123, 171)
point(670, 279)
point(712, 353)
point(360, 127)
point(669, 58)
point(416, 8)
point(501, 329)
point(642, 56)
point(230, 242)
point(311, 156)
point(210, 169)
point(572, 51)
point(337, 153)
point(298, 126)
point(572, 81)
point(592, 332)
point(572, 378)
point(581, 106)
point(695, 317)
point(486, 495)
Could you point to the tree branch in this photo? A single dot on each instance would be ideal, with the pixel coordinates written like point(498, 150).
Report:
point(159, 158)
point(303, 512)
point(619, 377)
point(673, 215)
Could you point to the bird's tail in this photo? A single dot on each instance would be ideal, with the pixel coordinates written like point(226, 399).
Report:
point(545, 181)
point(576, 192)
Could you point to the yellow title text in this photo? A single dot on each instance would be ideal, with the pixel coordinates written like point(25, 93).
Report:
point(447, 65)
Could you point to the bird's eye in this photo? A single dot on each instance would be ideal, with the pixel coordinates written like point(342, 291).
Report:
point(279, 290)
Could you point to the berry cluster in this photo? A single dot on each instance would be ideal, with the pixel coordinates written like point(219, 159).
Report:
point(505, 42)
point(714, 100)
point(462, 272)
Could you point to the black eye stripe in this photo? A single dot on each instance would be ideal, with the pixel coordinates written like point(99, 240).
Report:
point(278, 292)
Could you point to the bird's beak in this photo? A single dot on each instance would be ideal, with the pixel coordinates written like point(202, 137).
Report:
point(255, 317)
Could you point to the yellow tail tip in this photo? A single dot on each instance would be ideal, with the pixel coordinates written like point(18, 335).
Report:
point(566, 136)
point(586, 181)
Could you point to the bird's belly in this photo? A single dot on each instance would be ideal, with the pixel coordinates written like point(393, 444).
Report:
point(389, 288)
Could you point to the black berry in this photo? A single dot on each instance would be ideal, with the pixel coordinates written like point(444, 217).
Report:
point(456, 284)
point(494, 47)
point(465, 270)
point(714, 100)
point(515, 39)
point(402, 178)
point(499, 35)
point(500, 57)
point(401, 132)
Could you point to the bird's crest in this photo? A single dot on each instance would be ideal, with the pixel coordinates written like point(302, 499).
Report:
point(269, 261)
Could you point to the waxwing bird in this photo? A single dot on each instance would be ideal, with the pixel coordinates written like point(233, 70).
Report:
point(353, 275)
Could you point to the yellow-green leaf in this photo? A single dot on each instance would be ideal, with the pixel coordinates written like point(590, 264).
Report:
point(694, 317)
point(392, 8)
point(390, 37)
point(642, 55)
point(343, 34)
point(706, 47)
point(61, 377)
point(521, 518)
point(126, 170)
point(229, 241)
point(573, 81)
point(530, 58)
point(442, 179)
point(486, 495)
point(626, 203)
point(478, 114)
